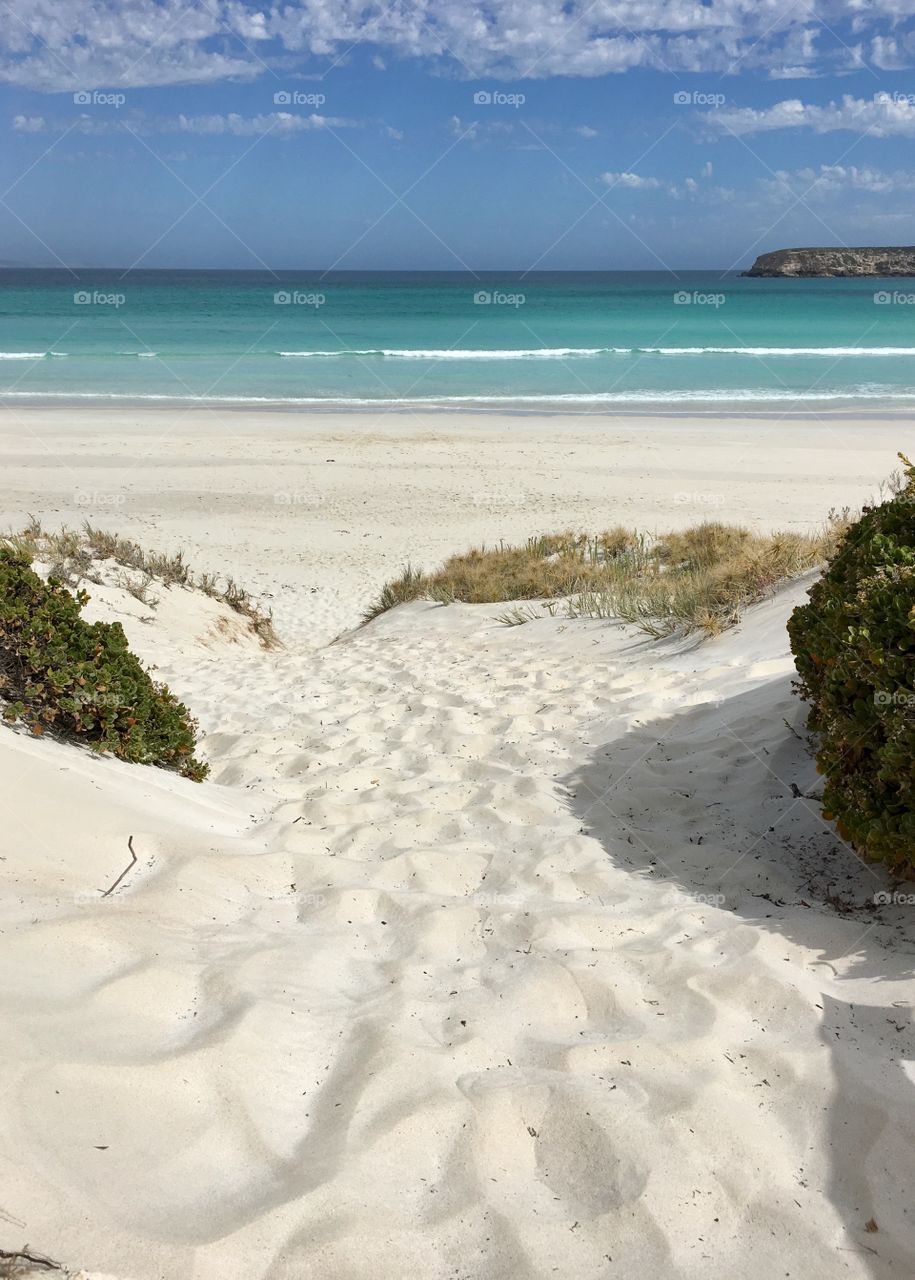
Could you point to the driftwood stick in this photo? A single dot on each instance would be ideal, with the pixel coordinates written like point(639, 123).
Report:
point(34, 1259)
point(132, 863)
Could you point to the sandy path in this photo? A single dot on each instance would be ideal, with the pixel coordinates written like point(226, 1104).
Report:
point(519, 967)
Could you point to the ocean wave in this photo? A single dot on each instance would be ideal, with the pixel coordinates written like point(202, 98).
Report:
point(778, 351)
point(545, 401)
point(566, 353)
point(437, 354)
point(457, 353)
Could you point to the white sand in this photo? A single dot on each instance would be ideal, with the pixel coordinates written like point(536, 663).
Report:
point(330, 505)
point(487, 953)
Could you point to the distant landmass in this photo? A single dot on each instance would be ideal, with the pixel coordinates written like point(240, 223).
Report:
point(892, 261)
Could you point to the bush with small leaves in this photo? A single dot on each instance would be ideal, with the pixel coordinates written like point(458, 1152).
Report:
point(854, 648)
point(62, 675)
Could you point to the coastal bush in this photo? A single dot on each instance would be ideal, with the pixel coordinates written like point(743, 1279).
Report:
point(854, 647)
point(62, 675)
point(76, 556)
point(697, 579)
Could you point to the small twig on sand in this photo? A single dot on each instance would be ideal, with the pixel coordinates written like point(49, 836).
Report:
point(130, 864)
point(34, 1259)
point(791, 729)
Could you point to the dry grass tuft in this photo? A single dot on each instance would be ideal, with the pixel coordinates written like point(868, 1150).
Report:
point(73, 556)
point(698, 579)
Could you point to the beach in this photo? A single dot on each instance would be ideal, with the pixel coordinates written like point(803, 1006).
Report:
point(485, 951)
point(326, 506)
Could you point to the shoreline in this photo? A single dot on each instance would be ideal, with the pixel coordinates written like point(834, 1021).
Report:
point(706, 410)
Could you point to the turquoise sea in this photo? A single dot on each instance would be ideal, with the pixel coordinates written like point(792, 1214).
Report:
point(602, 342)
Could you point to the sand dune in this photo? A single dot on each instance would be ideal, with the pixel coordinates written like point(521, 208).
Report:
point(486, 952)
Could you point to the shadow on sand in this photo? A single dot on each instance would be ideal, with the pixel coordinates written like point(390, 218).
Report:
point(719, 799)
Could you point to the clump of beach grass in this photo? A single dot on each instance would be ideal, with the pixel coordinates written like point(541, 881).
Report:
point(75, 556)
point(696, 579)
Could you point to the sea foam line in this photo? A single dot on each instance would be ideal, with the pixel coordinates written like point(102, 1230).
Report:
point(565, 353)
point(716, 396)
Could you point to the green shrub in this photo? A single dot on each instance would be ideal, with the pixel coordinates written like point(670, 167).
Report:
point(854, 647)
point(63, 675)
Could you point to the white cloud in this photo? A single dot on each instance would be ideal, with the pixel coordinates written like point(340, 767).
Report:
point(631, 181)
point(829, 179)
point(792, 73)
point(882, 116)
point(72, 44)
point(628, 181)
point(585, 131)
point(29, 124)
point(277, 124)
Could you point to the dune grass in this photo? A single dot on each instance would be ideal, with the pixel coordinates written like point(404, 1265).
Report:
point(74, 556)
point(697, 579)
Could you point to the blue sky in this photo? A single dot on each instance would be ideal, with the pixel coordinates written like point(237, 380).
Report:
point(439, 135)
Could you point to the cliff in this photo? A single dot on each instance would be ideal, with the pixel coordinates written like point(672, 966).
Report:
point(892, 261)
